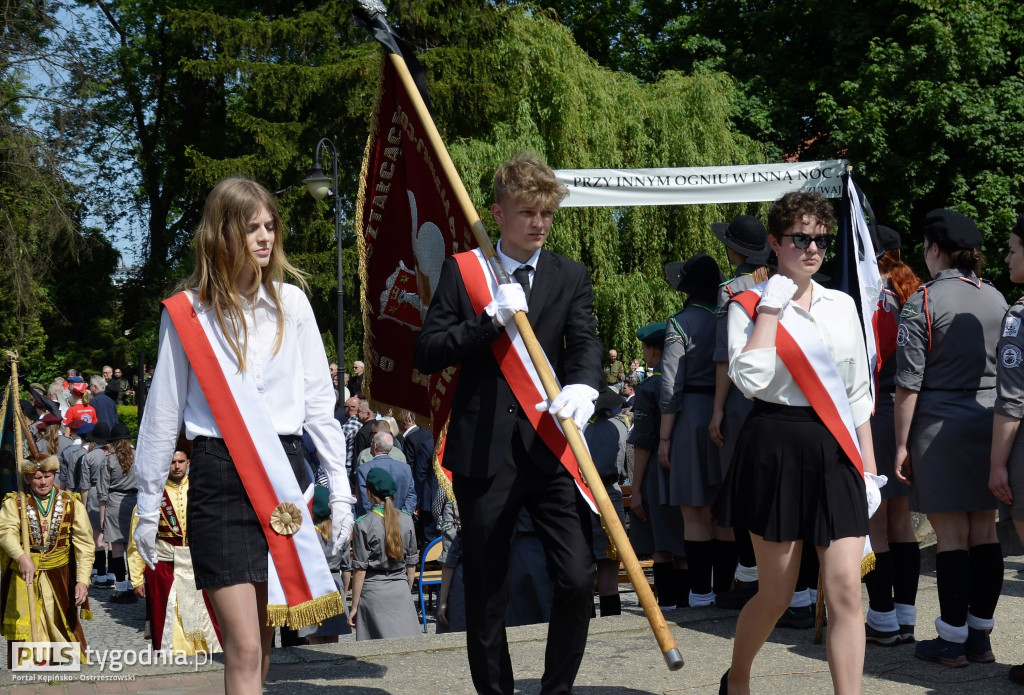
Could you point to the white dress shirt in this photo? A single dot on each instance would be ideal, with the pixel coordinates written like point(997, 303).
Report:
point(511, 265)
point(294, 383)
point(761, 374)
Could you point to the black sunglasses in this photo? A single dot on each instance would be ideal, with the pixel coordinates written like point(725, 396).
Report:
point(802, 241)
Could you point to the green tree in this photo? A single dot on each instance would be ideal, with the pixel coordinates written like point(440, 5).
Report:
point(934, 117)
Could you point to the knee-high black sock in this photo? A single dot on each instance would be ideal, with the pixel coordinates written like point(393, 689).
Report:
point(744, 548)
point(906, 571)
point(986, 579)
point(724, 563)
point(700, 558)
point(879, 583)
point(99, 563)
point(664, 583)
point(808, 577)
point(682, 581)
point(953, 576)
point(117, 567)
point(611, 605)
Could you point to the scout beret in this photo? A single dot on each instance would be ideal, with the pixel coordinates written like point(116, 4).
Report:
point(1018, 228)
point(380, 483)
point(888, 239)
point(653, 334)
point(952, 230)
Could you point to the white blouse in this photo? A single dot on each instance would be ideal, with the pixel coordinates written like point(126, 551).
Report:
point(294, 384)
point(761, 374)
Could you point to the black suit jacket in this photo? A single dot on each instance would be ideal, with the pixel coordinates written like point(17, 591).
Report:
point(485, 414)
point(418, 447)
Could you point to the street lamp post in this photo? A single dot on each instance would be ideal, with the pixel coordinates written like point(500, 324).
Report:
point(320, 186)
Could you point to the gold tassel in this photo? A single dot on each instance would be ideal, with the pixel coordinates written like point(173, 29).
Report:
point(86, 614)
point(442, 477)
point(311, 612)
point(611, 551)
point(867, 563)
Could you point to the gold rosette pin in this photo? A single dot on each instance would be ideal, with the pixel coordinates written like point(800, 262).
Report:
point(286, 519)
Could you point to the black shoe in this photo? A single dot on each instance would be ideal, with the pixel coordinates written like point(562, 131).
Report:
point(798, 618)
point(723, 687)
point(737, 596)
point(883, 637)
point(907, 634)
point(979, 647)
point(124, 597)
point(949, 654)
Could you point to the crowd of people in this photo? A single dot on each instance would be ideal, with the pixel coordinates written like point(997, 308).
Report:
point(760, 448)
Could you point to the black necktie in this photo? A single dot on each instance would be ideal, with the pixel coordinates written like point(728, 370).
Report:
point(522, 274)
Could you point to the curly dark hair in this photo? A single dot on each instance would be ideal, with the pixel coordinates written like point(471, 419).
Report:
point(796, 205)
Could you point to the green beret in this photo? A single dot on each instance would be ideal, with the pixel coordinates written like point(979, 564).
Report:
point(321, 502)
point(653, 334)
point(380, 483)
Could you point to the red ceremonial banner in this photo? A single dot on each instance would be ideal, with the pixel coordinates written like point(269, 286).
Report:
point(409, 221)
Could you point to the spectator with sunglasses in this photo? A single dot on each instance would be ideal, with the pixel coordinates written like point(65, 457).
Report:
point(794, 479)
point(945, 393)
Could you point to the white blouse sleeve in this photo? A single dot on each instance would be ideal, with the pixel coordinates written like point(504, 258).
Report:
point(161, 419)
point(751, 371)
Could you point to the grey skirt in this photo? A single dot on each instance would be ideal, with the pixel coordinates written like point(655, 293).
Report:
point(663, 530)
point(120, 506)
point(385, 607)
point(950, 443)
point(693, 481)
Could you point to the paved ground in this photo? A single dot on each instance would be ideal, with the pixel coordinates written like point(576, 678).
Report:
point(622, 656)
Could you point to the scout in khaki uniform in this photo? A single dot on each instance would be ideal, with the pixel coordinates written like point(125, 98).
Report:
point(59, 563)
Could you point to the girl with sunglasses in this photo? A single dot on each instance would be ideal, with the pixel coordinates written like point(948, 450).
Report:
point(945, 390)
point(794, 478)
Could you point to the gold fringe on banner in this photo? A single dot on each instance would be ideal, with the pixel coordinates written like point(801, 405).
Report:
point(611, 551)
point(867, 563)
point(311, 612)
point(442, 477)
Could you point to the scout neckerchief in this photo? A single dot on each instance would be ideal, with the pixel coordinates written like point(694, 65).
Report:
point(300, 590)
point(814, 372)
point(515, 363)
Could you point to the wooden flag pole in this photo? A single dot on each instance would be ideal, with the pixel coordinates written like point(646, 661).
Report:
point(666, 642)
point(11, 398)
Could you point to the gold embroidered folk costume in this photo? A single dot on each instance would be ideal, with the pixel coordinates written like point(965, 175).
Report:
point(62, 553)
point(181, 619)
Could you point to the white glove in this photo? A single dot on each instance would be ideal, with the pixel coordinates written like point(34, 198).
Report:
point(576, 401)
point(145, 540)
point(507, 301)
point(872, 483)
point(341, 523)
point(777, 293)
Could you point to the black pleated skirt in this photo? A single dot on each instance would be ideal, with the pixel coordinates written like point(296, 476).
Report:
point(225, 536)
point(790, 480)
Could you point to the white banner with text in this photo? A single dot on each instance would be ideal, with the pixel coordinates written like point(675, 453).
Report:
point(692, 185)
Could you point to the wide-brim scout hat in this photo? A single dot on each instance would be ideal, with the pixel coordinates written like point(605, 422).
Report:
point(745, 235)
point(100, 433)
point(698, 276)
point(608, 403)
point(952, 230)
point(119, 431)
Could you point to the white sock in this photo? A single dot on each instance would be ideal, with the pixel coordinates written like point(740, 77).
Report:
point(883, 622)
point(801, 599)
point(701, 600)
point(906, 613)
point(980, 623)
point(746, 574)
point(949, 632)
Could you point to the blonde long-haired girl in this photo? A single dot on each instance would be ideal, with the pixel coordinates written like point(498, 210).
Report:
point(384, 547)
point(269, 337)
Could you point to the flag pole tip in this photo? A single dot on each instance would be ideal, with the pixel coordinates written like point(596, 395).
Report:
point(674, 659)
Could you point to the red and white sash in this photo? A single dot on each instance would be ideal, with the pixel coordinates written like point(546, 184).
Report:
point(301, 590)
point(515, 363)
point(814, 372)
